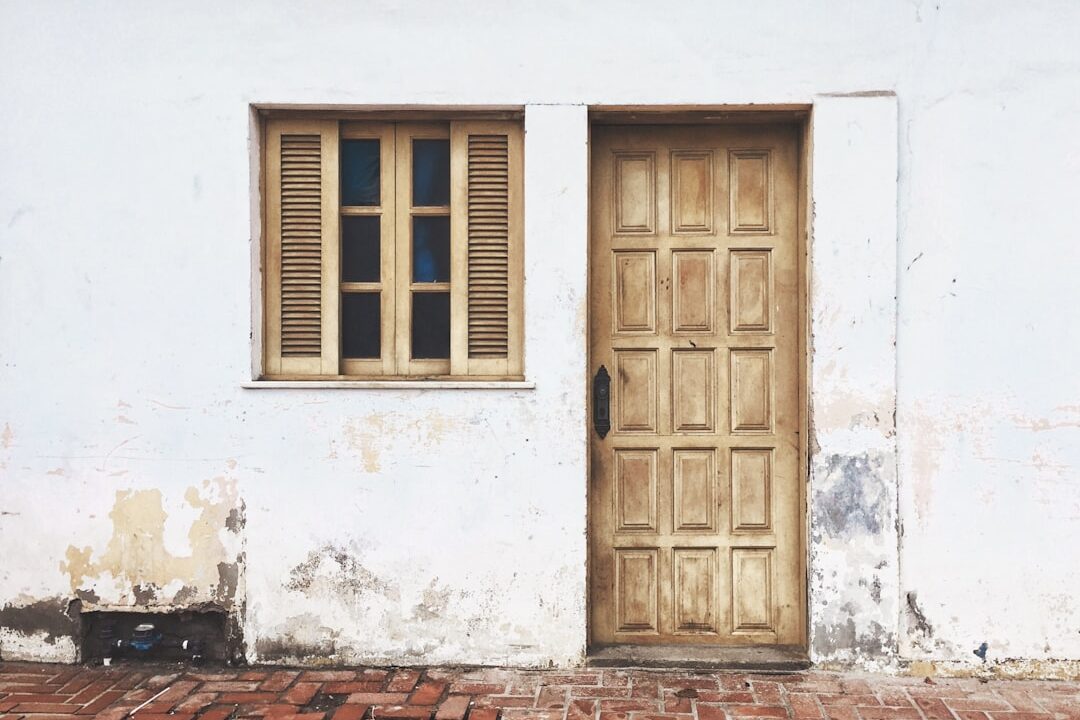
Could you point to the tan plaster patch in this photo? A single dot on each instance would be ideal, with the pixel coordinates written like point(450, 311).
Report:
point(136, 555)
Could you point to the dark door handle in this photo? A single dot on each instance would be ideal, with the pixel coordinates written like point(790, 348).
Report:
point(601, 406)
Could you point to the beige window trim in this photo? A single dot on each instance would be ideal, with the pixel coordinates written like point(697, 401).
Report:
point(302, 217)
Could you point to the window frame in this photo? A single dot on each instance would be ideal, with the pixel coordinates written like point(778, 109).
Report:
point(395, 286)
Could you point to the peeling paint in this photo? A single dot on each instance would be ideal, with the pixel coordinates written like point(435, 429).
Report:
point(136, 562)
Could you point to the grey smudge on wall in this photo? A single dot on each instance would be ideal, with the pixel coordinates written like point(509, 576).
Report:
point(334, 570)
point(854, 499)
point(845, 637)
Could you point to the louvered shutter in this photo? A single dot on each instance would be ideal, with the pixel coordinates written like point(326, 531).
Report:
point(487, 231)
point(301, 251)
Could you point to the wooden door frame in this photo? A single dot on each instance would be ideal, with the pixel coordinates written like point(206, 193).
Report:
point(799, 115)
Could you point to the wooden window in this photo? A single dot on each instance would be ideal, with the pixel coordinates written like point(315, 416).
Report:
point(392, 249)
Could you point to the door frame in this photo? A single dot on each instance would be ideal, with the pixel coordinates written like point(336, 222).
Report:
point(793, 114)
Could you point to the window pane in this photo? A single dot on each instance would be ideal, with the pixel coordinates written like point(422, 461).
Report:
point(359, 172)
point(431, 172)
point(360, 261)
point(431, 249)
point(431, 325)
point(360, 325)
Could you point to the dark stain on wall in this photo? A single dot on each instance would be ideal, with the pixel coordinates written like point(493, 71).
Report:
point(56, 617)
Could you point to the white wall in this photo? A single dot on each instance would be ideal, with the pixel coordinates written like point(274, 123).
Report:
point(399, 525)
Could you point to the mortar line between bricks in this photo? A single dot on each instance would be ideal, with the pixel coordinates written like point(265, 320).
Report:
point(922, 713)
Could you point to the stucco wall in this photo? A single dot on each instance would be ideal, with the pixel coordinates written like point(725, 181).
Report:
point(449, 525)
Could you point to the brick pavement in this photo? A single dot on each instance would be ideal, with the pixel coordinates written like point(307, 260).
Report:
point(43, 692)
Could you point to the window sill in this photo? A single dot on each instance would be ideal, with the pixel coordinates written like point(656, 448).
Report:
point(389, 385)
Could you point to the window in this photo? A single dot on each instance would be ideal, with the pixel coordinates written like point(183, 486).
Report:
point(392, 249)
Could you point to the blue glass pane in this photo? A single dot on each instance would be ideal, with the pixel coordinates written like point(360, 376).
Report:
point(431, 325)
point(360, 325)
point(431, 173)
point(431, 248)
point(359, 172)
point(360, 260)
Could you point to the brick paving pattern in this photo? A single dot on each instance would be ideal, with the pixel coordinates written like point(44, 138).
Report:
point(42, 692)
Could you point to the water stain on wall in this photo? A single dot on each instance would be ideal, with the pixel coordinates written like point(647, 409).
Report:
point(137, 563)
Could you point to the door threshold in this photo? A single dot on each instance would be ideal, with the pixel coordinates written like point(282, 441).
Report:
point(757, 658)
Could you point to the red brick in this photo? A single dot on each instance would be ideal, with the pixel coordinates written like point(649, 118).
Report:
point(844, 712)
point(550, 697)
point(972, 715)
point(248, 697)
point(600, 692)
point(453, 708)
point(350, 686)
point(804, 705)
point(196, 702)
point(710, 712)
point(850, 700)
point(102, 701)
point(475, 688)
point(76, 683)
point(300, 693)
point(766, 692)
point(506, 701)
point(934, 709)
point(484, 714)
point(403, 711)
point(350, 712)
point(579, 710)
point(427, 692)
point(377, 698)
point(403, 681)
point(36, 707)
point(629, 705)
point(218, 712)
point(230, 686)
point(725, 696)
point(1021, 701)
point(26, 687)
point(582, 678)
point(141, 715)
point(328, 675)
point(279, 680)
point(1020, 715)
point(889, 713)
point(769, 711)
point(90, 692)
point(38, 698)
point(978, 702)
point(259, 675)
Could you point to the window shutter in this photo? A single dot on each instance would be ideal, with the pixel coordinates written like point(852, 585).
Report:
point(487, 226)
point(301, 251)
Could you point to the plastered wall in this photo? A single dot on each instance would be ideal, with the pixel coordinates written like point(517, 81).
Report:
point(449, 525)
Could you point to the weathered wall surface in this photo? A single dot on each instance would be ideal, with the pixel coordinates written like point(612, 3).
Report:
point(449, 525)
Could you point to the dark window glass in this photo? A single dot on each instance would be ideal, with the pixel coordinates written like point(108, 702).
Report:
point(360, 261)
point(431, 173)
point(431, 248)
point(360, 325)
point(359, 172)
point(431, 325)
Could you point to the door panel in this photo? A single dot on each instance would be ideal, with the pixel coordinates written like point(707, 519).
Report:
point(695, 497)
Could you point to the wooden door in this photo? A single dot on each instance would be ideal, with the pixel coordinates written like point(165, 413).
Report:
point(695, 496)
